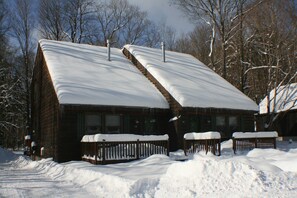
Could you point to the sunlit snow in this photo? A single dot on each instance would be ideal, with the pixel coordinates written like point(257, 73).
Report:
point(255, 173)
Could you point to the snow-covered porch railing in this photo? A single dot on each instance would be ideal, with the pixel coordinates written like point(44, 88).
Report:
point(113, 148)
point(250, 140)
point(207, 141)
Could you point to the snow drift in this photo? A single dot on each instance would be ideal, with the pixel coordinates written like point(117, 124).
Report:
point(257, 173)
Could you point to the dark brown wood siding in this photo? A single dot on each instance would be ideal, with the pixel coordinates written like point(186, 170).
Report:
point(72, 121)
point(68, 142)
point(45, 108)
point(285, 123)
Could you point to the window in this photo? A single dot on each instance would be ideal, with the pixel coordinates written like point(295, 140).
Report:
point(233, 123)
point(220, 121)
point(221, 125)
point(194, 124)
point(206, 123)
point(93, 124)
point(112, 124)
point(136, 125)
point(150, 126)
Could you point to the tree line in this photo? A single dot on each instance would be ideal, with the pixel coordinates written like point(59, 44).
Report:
point(251, 43)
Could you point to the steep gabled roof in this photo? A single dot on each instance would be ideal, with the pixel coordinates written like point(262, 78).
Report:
point(190, 82)
point(282, 98)
point(81, 74)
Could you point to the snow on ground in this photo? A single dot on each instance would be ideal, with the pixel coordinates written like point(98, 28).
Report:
point(255, 173)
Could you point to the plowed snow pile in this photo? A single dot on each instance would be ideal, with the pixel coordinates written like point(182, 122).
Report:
point(257, 173)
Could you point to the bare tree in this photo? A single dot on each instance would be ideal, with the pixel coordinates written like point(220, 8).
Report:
point(77, 18)
point(51, 20)
point(134, 30)
point(122, 23)
point(111, 18)
point(271, 56)
point(168, 36)
point(196, 43)
point(22, 25)
point(3, 21)
point(221, 16)
point(11, 101)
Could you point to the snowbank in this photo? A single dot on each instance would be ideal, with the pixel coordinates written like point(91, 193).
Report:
point(263, 134)
point(257, 173)
point(122, 137)
point(202, 136)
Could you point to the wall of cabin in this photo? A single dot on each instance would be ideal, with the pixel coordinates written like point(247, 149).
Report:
point(45, 109)
point(285, 124)
point(75, 124)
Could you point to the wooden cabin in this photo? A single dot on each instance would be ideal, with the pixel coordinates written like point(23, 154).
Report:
point(77, 91)
point(199, 99)
point(282, 109)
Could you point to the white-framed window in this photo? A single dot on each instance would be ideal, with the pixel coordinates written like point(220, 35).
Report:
point(93, 124)
point(112, 123)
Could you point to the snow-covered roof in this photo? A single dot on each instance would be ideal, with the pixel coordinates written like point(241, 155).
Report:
point(81, 74)
point(122, 137)
point(286, 99)
point(189, 81)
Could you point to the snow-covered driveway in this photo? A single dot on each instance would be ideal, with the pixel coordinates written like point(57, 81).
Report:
point(255, 173)
point(28, 182)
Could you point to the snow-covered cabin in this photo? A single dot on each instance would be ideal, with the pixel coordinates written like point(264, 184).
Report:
point(77, 91)
point(280, 113)
point(200, 98)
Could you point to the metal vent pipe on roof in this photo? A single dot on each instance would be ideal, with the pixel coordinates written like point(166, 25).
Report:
point(108, 50)
point(163, 50)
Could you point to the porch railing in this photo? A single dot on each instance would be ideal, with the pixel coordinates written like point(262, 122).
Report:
point(251, 140)
point(110, 151)
point(207, 141)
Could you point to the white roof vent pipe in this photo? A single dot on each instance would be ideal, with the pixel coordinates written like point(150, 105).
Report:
point(163, 50)
point(108, 50)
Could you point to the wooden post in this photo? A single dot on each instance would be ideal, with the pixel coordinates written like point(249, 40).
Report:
point(219, 147)
point(103, 150)
point(256, 145)
point(185, 147)
point(168, 147)
point(213, 143)
point(137, 149)
point(234, 145)
point(274, 143)
point(206, 146)
point(96, 152)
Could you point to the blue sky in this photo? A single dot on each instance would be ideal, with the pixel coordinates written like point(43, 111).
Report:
point(160, 11)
